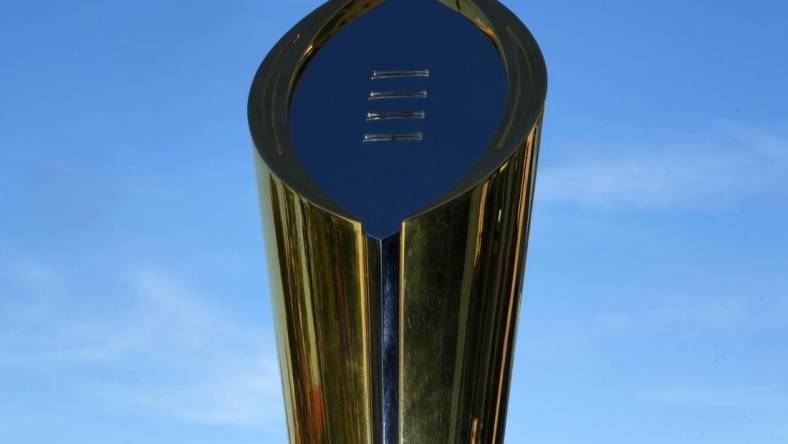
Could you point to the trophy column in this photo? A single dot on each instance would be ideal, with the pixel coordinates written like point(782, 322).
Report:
point(396, 146)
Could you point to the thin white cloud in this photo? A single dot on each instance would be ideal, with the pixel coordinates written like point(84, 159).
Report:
point(712, 397)
point(199, 363)
point(37, 278)
point(699, 314)
point(728, 163)
point(246, 398)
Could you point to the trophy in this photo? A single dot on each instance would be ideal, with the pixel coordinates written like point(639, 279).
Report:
point(396, 146)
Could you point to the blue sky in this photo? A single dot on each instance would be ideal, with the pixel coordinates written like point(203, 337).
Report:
point(133, 296)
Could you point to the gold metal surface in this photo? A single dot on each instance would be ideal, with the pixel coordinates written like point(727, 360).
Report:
point(317, 269)
point(461, 285)
point(461, 265)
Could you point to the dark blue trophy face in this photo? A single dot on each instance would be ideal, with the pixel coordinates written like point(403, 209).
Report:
point(396, 108)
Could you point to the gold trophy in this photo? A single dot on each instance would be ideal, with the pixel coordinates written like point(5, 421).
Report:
point(396, 146)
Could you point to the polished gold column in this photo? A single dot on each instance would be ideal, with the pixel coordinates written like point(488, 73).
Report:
point(317, 270)
point(461, 285)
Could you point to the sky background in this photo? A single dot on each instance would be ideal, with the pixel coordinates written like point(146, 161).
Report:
point(133, 295)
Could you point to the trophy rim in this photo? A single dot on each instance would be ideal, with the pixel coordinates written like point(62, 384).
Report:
point(277, 77)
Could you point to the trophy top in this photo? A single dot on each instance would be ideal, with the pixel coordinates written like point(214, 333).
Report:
point(380, 110)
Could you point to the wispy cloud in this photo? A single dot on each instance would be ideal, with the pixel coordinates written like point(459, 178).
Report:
point(729, 162)
point(710, 316)
point(713, 397)
point(198, 362)
point(247, 397)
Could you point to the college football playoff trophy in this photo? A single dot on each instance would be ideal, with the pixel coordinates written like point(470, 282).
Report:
point(396, 145)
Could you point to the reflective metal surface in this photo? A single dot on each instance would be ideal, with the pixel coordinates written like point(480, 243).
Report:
point(404, 94)
point(405, 338)
point(462, 271)
point(394, 137)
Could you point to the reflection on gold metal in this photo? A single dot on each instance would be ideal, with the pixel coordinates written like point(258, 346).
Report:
point(317, 265)
point(461, 264)
point(461, 284)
